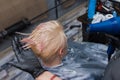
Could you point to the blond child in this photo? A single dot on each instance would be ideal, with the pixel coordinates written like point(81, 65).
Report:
point(49, 42)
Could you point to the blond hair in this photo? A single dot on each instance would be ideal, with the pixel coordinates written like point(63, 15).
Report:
point(47, 39)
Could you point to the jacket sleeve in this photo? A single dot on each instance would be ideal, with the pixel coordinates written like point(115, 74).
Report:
point(112, 71)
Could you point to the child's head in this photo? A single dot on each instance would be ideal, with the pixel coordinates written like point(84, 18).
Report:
point(47, 40)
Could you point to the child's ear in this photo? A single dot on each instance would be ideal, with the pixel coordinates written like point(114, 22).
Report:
point(61, 52)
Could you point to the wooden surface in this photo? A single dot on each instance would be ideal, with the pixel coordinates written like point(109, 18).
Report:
point(12, 11)
point(68, 3)
point(73, 14)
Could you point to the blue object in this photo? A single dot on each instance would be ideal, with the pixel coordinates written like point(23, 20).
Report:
point(111, 26)
point(91, 8)
point(114, 14)
point(110, 51)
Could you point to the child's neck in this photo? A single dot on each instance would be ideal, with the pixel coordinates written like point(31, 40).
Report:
point(53, 62)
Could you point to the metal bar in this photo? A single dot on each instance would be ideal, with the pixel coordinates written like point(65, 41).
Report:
point(56, 9)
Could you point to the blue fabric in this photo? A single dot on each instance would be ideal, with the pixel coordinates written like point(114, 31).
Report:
point(84, 61)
